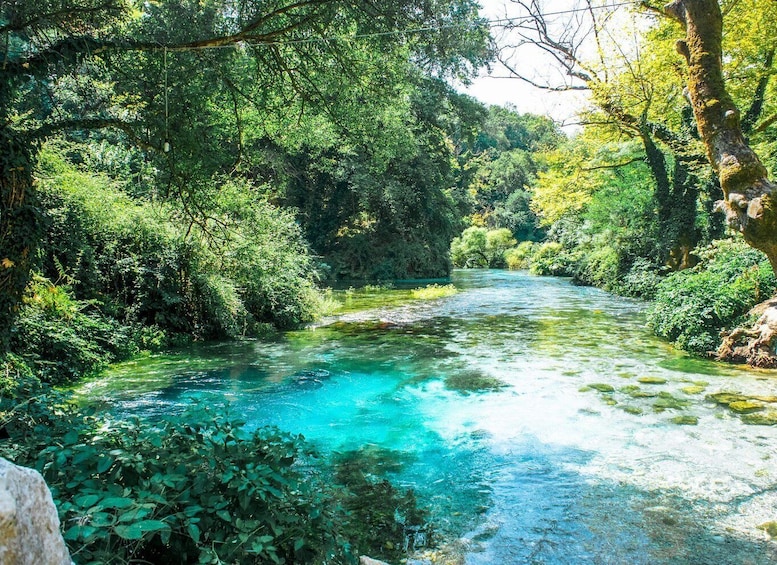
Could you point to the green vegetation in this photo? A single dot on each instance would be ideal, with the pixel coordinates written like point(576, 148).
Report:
point(693, 306)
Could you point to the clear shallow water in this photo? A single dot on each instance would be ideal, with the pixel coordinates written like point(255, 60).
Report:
point(542, 470)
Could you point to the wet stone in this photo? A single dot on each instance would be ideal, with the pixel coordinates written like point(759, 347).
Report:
point(651, 380)
point(685, 420)
point(745, 406)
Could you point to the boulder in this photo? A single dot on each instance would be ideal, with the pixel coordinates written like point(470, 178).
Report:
point(29, 525)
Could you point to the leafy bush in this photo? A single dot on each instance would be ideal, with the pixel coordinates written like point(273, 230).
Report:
point(520, 257)
point(693, 306)
point(641, 280)
point(181, 491)
point(551, 259)
point(63, 339)
point(237, 262)
point(478, 247)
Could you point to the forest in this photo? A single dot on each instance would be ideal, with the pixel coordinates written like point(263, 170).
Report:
point(185, 172)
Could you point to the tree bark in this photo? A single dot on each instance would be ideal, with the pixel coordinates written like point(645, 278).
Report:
point(748, 195)
point(749, 199)
point(20, 227)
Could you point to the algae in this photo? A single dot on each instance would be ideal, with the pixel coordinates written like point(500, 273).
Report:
point(745, 406)
point(602, 387)
point(466, 382)
point(685, 420)
point(760, 418)
point(651, 380)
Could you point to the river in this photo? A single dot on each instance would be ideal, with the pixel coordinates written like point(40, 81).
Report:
point(483, 403)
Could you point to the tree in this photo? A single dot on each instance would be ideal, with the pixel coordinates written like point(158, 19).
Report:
point(85, 65)
point(749, 198)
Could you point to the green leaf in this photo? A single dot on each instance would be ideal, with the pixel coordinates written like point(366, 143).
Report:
point(70, 438)
point(194, 532)
point(135, 514)
point(117, 502)
point(86, 500)
point(299, 543)
point(224, 515)
point(137, 530)
point(104, 463)
point(79, 533)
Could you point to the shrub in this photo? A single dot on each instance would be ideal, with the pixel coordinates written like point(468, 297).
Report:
point(182, 491)
point(478, 247)
point(550, 258)
point(63, 339)
point(693, 306)
point(520, 257)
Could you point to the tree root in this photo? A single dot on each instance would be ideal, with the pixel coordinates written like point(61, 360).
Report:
point(754, 345)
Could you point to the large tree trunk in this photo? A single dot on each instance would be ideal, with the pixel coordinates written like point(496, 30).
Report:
point(749, 199)
point(20, 227)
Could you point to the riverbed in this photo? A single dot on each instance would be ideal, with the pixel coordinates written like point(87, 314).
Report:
point(540, 422)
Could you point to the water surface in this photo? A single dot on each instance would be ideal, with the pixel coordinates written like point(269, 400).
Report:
point(538, 467)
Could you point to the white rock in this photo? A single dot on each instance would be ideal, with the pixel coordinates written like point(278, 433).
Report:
point(364, 560)
point(29, 525)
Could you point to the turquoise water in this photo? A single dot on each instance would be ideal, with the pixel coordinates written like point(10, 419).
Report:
point(537, 467)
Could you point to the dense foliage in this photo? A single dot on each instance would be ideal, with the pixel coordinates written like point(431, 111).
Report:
point(199, 488)
point(693, 306)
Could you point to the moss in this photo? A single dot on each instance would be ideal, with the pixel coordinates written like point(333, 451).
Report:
point(685, 420)
point(629, 389)
point(666, 401)
point(725, 398)
point(770, 528)
point(472, 381)
point(761, 418)
point(602, 387)
point(643, 394)
point(745, 406)
point(635, 410)
point(693, 389)
point(651, 380)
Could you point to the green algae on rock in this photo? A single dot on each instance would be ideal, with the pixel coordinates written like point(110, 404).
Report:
point(726, 398)
point(695, 389)
point(651, 380)
point(466, 382)
point(685, 420)
point(666, 401)
point(760, 418)
point(602, 387)
point(745, 406)
point(770, 528)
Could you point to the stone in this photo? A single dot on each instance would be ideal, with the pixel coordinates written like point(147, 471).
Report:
point(364, 560)
point(29, 524)
point(745, 406)
point(651, 380)
point(602, 387)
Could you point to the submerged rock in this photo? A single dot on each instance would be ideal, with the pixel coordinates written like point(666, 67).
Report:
point(651, 380)
point(685, 420)
point(746, 406)
point(29, 524)
point(695, 389)
point(472, 381)
point(602, 387)
point(761, 418)
point(725, 398)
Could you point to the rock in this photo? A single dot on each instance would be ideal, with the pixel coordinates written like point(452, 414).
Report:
point(602, 387)
point(364, 560)
point(745, 406)
point(651, 380)
point(29, 525)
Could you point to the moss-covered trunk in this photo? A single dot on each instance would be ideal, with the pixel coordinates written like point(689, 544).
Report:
point(749, 196)
point(749, 199)
point(20, 227)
